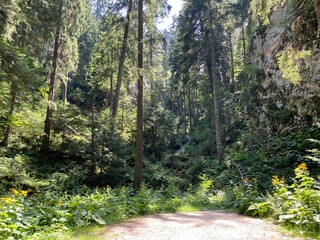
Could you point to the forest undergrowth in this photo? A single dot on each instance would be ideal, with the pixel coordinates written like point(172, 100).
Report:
point(55, 203)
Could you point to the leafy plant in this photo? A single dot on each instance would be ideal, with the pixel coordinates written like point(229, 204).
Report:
point(246, 194)
point(296, 205)
point(315, 153)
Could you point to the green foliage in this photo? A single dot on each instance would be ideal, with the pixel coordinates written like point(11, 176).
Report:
point(24, 215)
point(14, 172)
point(245, 195)
point(249, 86)
point(296, 204)
point(315, 152)
point(261, 9)
point(289, 61)
point(261, 157)
point(261, 209)
point(305, 7)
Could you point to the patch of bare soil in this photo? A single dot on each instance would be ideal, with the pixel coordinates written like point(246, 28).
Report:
point(202, 225)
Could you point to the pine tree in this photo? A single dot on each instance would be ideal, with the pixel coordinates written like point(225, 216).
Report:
point(121, 66)
point(66, 22)
point(317, 7)
point(139, 137)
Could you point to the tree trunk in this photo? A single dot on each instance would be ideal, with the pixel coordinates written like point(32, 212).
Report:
point(184, 106)
point(244, 46)
point(217, 120)
point(232, 64)
point(121, 66)
point(153, 99)
point(92, 167)
point(196, 119)
point(111, 89)
point(65, 89)
point(213, 77)
point(13, 91)
point(190, 110)
point(47, 123)
point(317, 7)
point(139, 140)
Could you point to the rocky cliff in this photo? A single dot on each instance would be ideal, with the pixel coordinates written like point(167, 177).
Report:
point(287, 50)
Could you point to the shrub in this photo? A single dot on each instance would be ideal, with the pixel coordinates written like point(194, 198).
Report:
point(52, 211)
point(295, 205)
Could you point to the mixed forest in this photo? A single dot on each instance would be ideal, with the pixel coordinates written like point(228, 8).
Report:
point(104, 117)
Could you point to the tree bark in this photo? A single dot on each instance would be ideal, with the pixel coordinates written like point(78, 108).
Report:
point(139, 139)
point(244, 46)
point(13, 91)
point(213, 77)
point(153, 98)
point(190, 110)
point(217, 120)
point(121, 66)
point(184, 106)
point(47, 123)
point(317, 7)
point(92, 166)
point(64, 93)
point(232, 64)
point(196, 119)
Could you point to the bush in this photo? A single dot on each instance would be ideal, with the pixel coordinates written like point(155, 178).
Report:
point(296, 205)
point(25, 215)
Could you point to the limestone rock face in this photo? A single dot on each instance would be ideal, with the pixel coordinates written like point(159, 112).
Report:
point(287, 30)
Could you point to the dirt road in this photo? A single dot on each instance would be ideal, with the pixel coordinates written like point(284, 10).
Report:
point(203, 225)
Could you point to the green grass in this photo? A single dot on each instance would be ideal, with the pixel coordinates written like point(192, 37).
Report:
point(187, 208)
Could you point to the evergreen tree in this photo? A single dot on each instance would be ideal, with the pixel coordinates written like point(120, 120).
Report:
point(317, 7)
point(66, 20)
point(121, 65)
point(139, 137)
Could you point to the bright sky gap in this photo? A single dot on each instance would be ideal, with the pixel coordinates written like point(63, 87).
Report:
point(176, 6)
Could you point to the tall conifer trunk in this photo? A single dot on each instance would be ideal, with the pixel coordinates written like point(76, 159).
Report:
point(139, 139)
point(212, 58)
point(317, 7)
point(153, 98)
point(47, 123)
point(121, 67)
point(231, 63)
point(190, 110)
point(217, 120)
point(244, 46)
point(65, 91)
point(13, 92)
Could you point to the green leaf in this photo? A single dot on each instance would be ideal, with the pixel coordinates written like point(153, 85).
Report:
point(283, 218)
point(98, 219)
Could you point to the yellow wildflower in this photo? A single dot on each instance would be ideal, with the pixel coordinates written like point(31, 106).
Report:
point(59, 203)
point(8, 200)
point(301, 167)
point(276, 181)
point(16, 192)
point(24, 193)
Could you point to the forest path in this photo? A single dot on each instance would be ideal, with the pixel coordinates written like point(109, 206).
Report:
point(203, 225)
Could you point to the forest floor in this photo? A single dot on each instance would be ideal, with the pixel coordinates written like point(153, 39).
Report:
point(203, 225)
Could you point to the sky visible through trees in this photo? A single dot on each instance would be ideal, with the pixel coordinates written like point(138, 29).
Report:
point(176, 8)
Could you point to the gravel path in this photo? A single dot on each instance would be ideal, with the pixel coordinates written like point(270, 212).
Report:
point(202, 225)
